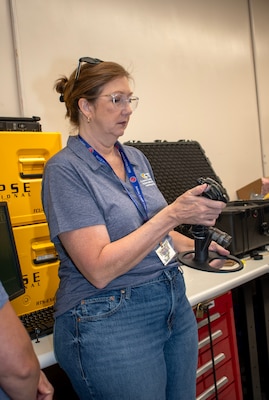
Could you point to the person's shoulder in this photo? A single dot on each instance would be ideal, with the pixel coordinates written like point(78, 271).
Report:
point(65, 153)
point(132, 151)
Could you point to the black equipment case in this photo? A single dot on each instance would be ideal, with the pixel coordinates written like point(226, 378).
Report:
point(178, 165)
point(20, 124)
point(248, 224)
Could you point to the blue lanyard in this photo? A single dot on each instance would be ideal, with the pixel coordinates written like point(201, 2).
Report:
point(130, 173)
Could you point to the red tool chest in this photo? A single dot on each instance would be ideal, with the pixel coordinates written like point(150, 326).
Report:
point(218, 364)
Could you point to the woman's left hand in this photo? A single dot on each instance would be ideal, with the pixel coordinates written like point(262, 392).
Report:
point(218, 262)
point(218, 249)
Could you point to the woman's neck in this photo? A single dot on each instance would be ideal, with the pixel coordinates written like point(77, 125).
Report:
point(105, 149)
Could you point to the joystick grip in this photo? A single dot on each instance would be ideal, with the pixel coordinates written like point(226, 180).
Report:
point(214, 190)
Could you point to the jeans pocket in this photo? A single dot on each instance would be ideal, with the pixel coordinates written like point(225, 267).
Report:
point(100, 307)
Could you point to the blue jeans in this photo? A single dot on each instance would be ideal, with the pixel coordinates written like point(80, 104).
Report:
point(138, 343)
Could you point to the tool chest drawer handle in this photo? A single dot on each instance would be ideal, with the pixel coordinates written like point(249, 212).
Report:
point(202, 343)
point(209, 365)
point(212, 318)
point(211, 390)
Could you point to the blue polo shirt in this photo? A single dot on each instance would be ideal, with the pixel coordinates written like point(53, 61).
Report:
point(79, 191)
point(3, 296)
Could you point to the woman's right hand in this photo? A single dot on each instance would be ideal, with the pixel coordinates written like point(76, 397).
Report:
point(194, 209)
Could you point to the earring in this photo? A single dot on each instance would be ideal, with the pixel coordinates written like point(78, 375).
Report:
point(89, 120)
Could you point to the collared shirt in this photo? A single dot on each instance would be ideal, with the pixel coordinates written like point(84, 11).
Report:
point(79, 191)
point(3, 295)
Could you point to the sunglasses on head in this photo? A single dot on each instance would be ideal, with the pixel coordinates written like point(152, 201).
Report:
point(88, 60)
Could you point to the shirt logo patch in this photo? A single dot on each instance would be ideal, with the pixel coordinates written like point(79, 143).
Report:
point(146, 179)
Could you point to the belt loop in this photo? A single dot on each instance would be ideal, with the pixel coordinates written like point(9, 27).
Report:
point(170, 274)
point(167, 274)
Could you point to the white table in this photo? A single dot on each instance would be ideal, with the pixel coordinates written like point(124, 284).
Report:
point(201, 286)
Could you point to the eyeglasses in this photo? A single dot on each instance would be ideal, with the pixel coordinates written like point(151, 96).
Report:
point(122, 100)
point(89, 60)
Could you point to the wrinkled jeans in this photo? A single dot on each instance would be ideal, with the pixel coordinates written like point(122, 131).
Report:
point(138, 343)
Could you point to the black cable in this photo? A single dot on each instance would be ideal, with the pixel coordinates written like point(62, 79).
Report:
point(206, 308)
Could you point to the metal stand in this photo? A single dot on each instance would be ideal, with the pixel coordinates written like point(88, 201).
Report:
point(202, 257)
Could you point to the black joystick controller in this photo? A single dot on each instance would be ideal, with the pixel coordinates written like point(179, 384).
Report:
point(204, 235)
point(214, 190)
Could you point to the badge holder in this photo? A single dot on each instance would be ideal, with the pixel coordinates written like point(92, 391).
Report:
point(201, 257)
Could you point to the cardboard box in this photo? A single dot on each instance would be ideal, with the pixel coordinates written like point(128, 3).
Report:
point(256, 187)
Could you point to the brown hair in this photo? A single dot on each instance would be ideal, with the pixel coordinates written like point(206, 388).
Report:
point(89, 84)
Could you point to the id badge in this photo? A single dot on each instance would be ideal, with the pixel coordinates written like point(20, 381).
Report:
point(165, 252)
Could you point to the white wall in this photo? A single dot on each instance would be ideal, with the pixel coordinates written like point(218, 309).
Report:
point(191, 60)
point(260, 14)
point(9, 101)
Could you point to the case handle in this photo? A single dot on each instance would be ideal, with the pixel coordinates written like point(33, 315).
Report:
point(31, 167)
point(44, 252)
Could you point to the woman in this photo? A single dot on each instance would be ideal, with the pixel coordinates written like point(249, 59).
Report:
point(124, 328)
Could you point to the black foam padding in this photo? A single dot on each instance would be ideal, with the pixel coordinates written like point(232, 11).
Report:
point(176, 165)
